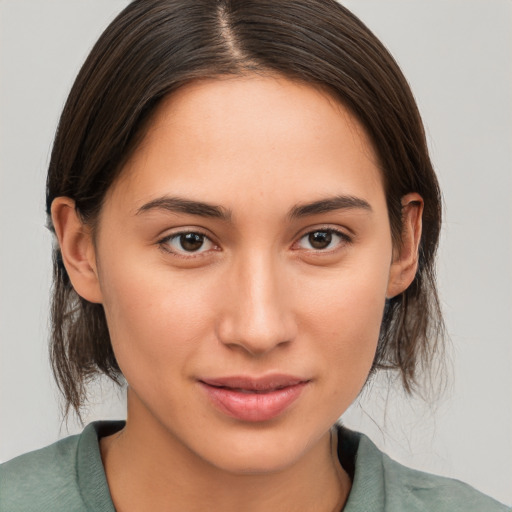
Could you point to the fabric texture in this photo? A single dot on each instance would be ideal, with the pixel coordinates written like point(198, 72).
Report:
point(68, 476)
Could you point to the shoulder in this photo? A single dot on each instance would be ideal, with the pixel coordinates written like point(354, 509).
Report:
point(65, 476)
point(380, 479)
point(39, 479)
point(418, 490)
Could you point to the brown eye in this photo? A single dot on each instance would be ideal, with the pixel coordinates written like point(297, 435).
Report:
point(323, 240)
point(320, 239)
point(191, 242)
point(187, 242)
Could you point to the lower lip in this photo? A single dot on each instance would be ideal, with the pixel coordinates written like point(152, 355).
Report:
point(253, 407)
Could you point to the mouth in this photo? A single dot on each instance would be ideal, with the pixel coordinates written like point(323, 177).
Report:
point(254, 399)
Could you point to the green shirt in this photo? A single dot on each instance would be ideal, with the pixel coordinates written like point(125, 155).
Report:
point(68, 476)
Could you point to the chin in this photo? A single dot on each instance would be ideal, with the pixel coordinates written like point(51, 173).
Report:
point(259, 449)
point(253, 462)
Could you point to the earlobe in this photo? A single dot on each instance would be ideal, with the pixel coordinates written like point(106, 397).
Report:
point(77, 248)
point(405, 261)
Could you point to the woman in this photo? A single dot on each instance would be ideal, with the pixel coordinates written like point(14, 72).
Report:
point(247, 220)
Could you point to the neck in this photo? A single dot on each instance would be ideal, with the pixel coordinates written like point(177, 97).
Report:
point(148, 468)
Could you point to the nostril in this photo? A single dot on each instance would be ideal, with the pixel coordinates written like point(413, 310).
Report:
point(256, 315)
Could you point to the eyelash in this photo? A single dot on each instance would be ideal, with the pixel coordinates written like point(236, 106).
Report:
point(344, 238)
point(164, 243)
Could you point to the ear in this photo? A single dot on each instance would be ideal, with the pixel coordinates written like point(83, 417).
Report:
point(77, 248)
point(405, 257)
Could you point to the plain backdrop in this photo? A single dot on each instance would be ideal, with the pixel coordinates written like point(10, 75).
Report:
point(457, 55)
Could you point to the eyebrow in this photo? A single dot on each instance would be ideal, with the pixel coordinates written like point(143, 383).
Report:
point(187, 206)
point(202, 209)
point(328, 205)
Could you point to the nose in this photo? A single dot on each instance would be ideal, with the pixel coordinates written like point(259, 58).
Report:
point(257, 316)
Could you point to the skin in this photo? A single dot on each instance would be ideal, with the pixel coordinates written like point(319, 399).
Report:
point(257, 298)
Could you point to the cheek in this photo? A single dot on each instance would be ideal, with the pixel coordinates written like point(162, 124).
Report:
point(156, 319)
point(344, 315)
point(352, 323)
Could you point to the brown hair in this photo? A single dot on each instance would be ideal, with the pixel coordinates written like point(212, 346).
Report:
point(155, 46)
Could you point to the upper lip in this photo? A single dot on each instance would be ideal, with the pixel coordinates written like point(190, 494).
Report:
point(263, 383)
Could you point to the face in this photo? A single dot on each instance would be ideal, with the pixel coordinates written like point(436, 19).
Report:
point(243, 259)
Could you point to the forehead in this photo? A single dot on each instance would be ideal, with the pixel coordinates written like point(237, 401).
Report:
point(220, 136)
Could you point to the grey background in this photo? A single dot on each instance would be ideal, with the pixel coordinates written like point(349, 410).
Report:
point(457, 55)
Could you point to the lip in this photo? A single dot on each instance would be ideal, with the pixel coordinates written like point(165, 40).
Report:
point(254, 399)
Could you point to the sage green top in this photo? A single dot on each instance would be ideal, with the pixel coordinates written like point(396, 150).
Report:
point(68, 476)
